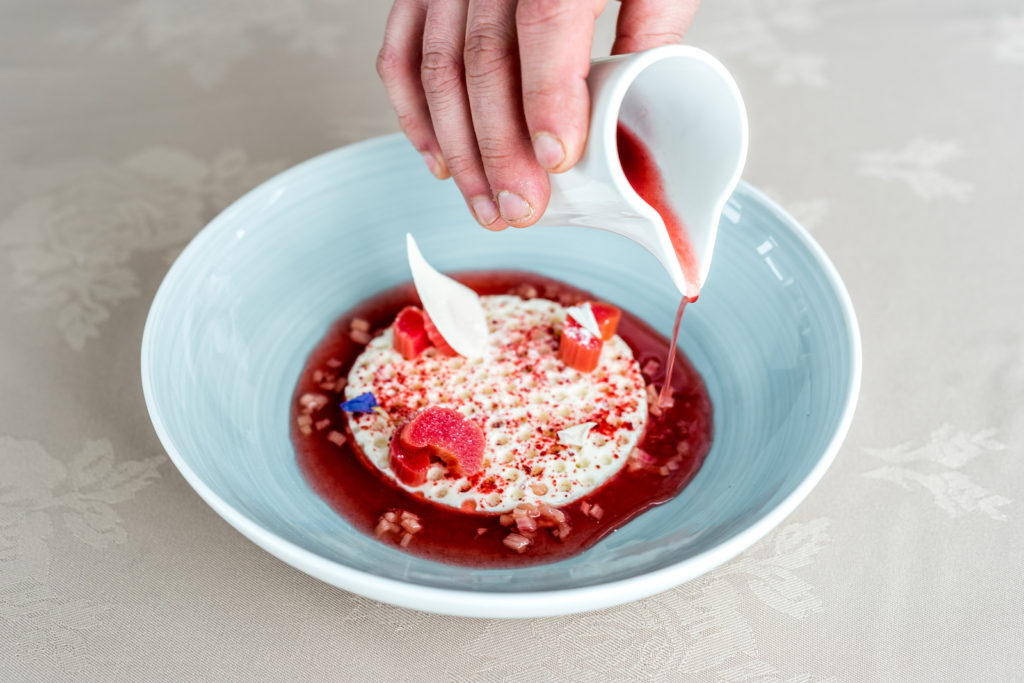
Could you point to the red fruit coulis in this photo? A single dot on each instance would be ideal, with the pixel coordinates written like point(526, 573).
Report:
point(674, 445)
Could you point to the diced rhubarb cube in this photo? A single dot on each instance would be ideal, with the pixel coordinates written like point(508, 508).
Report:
point(607, 317)
point(435, 337)
point(516, 542)
point(445, 433)
point(409, 332)
point(409, 464)
point(579, 348)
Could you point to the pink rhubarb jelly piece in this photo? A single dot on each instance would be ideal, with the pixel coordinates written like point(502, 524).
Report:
point(448, 435)
point(579, 348)
point(435, 337)
point(409, 464)
point(409, 332)
point(607, 317)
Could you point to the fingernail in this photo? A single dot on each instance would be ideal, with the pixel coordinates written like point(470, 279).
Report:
point(485, 210)
point(433, 163)
point(549, 150)
point(513, 207)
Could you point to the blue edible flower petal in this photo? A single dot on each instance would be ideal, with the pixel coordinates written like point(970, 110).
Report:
point(364, 403)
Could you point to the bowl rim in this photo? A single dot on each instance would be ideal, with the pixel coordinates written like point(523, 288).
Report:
point(474, 603)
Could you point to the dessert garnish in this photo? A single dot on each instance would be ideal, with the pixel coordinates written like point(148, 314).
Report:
point(519, 394)
point(579, 348)
point(587, 327)
point(453, 308)
point(363, 403)
point(409, 464)
point(447, 435)
point(410, 333)
point(532, 450)
point(584, 315)
point(607, 317)
point(436, 338)
point(577, 434)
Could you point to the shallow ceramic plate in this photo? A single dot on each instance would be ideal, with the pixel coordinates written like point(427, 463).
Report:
point(774, 335)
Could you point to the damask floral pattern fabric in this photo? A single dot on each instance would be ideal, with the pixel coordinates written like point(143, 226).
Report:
point(891, 130)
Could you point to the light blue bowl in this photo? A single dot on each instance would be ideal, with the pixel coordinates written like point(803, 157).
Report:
point(774, 335)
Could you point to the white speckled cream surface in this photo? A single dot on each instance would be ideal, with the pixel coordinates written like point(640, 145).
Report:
point(522, 395)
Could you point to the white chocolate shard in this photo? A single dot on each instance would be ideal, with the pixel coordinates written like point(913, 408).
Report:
point(584, 315)
point(577, 434)
point(453, 307)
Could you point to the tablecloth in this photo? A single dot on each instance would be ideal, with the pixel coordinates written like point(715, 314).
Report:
point(892, 130)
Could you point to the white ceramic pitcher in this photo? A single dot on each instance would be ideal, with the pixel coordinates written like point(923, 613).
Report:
point(686, 109)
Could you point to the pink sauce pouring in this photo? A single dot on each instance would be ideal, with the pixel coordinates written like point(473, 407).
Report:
point(643, 175)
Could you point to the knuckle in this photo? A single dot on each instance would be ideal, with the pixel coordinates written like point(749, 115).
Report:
point(497, 153)
point(541, 13)
point(546, 92)
point(486, 52)
point(389, 63)
point(411, 123)
point(440, 70)
point(462, 165)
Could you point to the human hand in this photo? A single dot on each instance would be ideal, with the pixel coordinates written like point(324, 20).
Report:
point(493, 93)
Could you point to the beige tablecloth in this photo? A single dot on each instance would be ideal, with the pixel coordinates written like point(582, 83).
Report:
point(892, 129)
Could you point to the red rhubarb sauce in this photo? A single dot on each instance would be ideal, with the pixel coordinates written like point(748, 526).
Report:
point(674, 444)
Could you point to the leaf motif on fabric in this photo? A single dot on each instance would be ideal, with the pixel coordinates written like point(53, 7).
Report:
point(50, 628)
point(41, 497)
point(771, 575)
point(207, 44)
point(935, 467)
point(768, 34)
point(70, 238)
point(81, 495)
point(97, 476)
point(720, 636)
point(24, 553)
point(94, 523)
point(703, 628)
point(918, 167)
